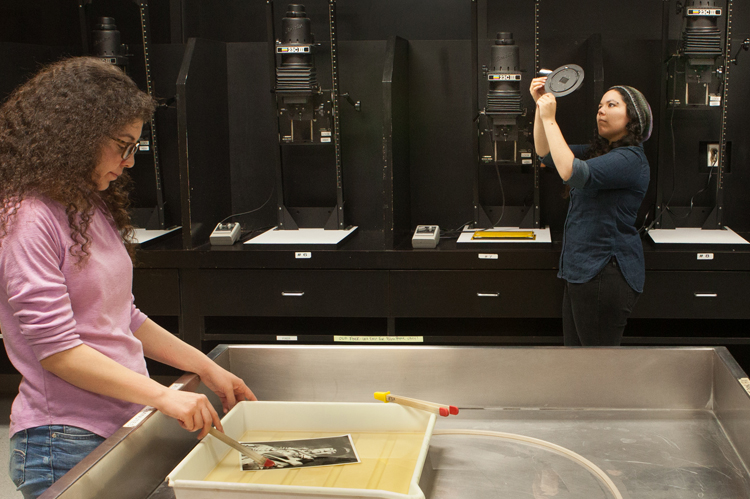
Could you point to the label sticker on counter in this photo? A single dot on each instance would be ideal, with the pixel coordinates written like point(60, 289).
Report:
point(138, 418)
point(380, 339)
point(286, 338)
point(745, 384)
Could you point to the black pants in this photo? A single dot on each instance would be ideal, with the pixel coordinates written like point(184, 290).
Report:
point(595, 313)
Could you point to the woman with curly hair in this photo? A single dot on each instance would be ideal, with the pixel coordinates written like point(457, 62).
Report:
point(602, 260)
point(70, 326)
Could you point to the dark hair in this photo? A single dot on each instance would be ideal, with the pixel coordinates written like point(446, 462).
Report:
point(634, 136)
point(52, 130)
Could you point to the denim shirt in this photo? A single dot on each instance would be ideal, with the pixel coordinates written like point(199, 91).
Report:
point(605, 195)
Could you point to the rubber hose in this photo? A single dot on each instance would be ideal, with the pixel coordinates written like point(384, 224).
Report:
point(591, 467)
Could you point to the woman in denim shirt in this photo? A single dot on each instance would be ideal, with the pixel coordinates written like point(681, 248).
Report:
point(602, 260)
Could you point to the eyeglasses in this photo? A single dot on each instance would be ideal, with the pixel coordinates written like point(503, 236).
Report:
point(128, 148)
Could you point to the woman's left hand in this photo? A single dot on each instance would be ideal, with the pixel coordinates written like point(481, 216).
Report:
point(547, 105)
point(227, 386)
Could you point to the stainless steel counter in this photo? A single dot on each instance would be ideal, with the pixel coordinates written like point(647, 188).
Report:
point(661, 422)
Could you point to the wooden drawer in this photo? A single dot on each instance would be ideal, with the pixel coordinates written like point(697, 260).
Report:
point(502, 293)
point(303, 293)
point(695, 295)
point(157, 291)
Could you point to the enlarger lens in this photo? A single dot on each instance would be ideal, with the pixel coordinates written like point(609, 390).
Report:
point(504, 54)
point(295, 10)
point(295, 26)
point(105, 38)
point(105, 23)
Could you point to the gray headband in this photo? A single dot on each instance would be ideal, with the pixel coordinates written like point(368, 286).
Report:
point(642, 109)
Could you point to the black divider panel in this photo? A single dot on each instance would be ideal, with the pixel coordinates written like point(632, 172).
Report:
point(396, 188)
point(203, 139)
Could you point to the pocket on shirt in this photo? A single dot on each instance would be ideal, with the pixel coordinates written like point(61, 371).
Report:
point(17, 459)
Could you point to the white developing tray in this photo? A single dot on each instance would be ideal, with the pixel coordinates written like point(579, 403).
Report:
point(188, 479)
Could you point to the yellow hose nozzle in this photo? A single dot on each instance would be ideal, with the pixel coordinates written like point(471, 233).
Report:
point(382, 396)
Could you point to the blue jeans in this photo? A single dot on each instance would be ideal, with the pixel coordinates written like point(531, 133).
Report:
point(40, 456)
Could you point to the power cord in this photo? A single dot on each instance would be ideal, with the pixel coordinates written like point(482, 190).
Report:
point(454, 233)
point(251, 211)
point(690, 209)
point(666, 207)
point(253, 231)
point(502, 192)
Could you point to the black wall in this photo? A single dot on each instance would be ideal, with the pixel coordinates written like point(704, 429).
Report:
point(441, 127)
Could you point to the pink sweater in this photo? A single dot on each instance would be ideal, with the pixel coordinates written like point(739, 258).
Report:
point(48, 305)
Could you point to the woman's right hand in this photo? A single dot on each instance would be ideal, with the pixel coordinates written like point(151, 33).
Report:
point(536, 89)
point(192, 410)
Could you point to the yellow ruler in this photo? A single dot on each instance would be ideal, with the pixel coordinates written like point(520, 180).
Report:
point(504, 234)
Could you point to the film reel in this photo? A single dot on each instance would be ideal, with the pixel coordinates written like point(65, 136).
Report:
point(564, 80)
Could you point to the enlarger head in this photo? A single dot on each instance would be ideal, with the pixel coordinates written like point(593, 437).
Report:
point(504, 92)
point(701, 37)
point(105, 41)
point(299, 98)
point(296, 74)
point(701, 46)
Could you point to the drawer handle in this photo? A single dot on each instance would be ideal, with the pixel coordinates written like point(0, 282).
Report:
point(706, 295)
point(488, 295)
point(292, 293)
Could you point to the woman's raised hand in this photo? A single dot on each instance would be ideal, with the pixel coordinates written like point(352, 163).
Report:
point(536, 89)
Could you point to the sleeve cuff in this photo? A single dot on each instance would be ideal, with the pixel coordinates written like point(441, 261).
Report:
point(580, 174)
point(137, 318)
point(44, 350)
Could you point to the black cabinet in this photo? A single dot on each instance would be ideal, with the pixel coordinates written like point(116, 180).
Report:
point(694, 295)
point(496, 293)
point(308, 293)
point(439, 297)
point(218, 303)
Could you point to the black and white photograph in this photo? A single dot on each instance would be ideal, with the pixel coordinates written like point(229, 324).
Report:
point(304, 453)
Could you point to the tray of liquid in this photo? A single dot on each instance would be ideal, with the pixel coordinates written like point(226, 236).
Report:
point(391, 440)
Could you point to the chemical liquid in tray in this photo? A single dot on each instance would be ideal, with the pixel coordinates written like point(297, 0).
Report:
point(387, 463)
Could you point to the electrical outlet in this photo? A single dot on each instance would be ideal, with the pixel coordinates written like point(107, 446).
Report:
point(712, 155)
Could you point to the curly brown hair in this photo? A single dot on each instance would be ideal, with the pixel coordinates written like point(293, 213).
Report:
point(52, 131)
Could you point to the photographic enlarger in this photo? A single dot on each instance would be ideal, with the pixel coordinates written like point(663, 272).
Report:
point(128, 47)
point(694, 152)
point(309, 171)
